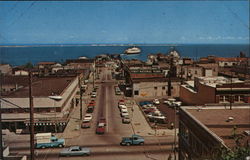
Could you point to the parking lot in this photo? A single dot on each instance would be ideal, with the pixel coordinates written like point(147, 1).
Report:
point(165, 116)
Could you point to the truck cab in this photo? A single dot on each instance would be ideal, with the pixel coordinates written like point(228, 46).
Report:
point(133, 140)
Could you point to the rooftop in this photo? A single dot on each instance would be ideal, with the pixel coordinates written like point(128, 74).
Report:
point(217, 80)
point(154, 79)
point(216, 119)
point(79, 61)
point(43, 87)
point(46, 63)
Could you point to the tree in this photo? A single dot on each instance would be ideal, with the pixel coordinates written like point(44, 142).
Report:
point(28, 65)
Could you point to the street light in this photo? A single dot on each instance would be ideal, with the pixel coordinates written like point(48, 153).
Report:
point(55, 98)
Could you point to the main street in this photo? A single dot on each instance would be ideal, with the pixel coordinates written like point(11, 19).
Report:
point(107, 146)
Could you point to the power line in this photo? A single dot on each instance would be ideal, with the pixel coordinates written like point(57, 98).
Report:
point(238, 17)
point(22, 14)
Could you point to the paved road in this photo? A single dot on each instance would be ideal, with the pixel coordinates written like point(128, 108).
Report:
point(106, 146)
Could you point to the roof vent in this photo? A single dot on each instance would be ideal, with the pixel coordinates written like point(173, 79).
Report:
point(230, 119)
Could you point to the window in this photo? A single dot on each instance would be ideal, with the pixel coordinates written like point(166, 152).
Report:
point(241, 98)
point(155, 88)
point(221, 98)
point(227, 98)
point(236, 98)
point(136, 92)
point(195, 72)
point(225, 64)
point(163, 88)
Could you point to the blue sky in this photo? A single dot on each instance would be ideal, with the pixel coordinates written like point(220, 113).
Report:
point(84, 22)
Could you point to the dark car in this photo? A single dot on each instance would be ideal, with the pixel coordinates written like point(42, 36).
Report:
point(90, 109)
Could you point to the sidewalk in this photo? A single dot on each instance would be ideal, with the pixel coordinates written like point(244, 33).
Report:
point(73, 127)
point(140, 124)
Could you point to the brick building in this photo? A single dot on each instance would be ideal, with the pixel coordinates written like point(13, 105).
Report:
point(205, 90)
point(205, 132)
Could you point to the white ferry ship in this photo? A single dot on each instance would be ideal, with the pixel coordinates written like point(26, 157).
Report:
point(133, 50)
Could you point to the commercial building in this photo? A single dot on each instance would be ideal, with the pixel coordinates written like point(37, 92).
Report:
point(80, 63)
point(205, 132)
point(50, 114)
point(205, 90)
point(148, 81)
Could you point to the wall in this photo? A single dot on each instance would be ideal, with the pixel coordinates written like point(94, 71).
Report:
point(195, 141)
point(147, 89)
point(205, 94)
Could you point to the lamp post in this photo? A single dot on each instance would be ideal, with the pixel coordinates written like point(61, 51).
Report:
point(55, 98)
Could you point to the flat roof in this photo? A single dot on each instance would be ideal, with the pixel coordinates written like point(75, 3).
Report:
point(154, 79)
point(216, 120)
point(43, 87)
point(217, 80)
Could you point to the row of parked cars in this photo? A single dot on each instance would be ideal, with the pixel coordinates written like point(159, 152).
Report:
point(152, 112)
point(123, 112)
point(86, 123)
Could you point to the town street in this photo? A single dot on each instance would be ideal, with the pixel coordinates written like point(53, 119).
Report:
point(106, 146)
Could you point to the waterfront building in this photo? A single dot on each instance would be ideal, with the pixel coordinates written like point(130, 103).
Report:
point(80, 63)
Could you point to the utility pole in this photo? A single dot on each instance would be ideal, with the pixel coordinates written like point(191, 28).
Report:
point(231, 90)
point(174, 132)
point(32, 157)
point(94, 75)
point(169, 76)
point(81, 92)
point(1, 134)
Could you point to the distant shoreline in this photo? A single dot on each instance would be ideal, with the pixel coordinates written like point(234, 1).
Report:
point(92, 45)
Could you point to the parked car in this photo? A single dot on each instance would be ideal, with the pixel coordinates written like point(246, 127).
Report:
point(90, 109)
point(85, 124)
point(122, 107)
point(124, 112)
point(149, 110)
point(87, 118)
point(93, 95)
point(75, 151)
point(156, 101)
point(126, 120)
point(144, 103)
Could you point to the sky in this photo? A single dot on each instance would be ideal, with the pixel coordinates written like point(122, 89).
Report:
point(124, 22)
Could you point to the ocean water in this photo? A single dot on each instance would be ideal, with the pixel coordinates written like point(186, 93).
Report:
point(19, 55)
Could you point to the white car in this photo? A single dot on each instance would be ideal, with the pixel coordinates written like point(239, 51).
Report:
point(87, 118)
point(122, 107)
point(124, 113)
point(156, 101)
point(93, 95)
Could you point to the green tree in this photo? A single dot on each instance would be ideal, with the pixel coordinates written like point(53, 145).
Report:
point(28, 65)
